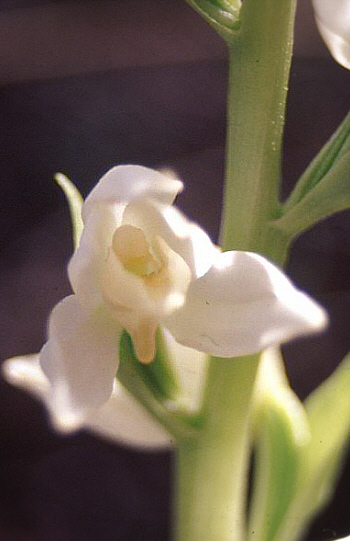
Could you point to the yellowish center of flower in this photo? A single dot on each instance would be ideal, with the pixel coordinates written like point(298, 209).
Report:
point(133, 251)
point(155, 285)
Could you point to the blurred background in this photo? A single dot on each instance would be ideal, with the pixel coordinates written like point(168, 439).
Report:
point(85, 85)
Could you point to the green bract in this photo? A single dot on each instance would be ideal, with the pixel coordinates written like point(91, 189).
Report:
point(75, 202)
point(222, 15)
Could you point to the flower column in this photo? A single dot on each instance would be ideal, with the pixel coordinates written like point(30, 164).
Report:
point(212, 469)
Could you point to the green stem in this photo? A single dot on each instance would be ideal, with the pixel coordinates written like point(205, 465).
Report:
point(212, 469)
point(260, 59)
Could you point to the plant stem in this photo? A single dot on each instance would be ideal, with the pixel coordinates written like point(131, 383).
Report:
point(212, 468)
point(260, 60)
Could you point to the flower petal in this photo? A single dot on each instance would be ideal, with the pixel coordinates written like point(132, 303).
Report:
point(124, 183)
point(183, 236)
point(80, 360)
point(121, 418)
point(241, 306)
point(333, 21)
point(102, 213)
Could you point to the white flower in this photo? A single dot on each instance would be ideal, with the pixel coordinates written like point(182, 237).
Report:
point(141, 264)
point(333, 21)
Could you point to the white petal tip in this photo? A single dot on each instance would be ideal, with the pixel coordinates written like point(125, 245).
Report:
point(66, 423)
point(337, 45)
point(316, 318)
point(309, 319)
point(12, 371)
point(25, 372)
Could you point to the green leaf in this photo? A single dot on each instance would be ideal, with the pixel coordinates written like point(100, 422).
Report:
point(332, 151)
point(328, 411)
point(322, 190)
point(222, 15)
point(282, 433)
point(330, 195)
point(75, 202)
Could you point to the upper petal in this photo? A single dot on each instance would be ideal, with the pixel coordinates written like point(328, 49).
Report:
point(80, 360)
point(241, 306)
point(333, 21)
point(124, 183)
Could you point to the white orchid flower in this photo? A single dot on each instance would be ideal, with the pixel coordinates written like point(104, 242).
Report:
point(141, 264)
point(333, 21)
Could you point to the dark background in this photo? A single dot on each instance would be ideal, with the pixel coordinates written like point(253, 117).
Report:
point(85, 86)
